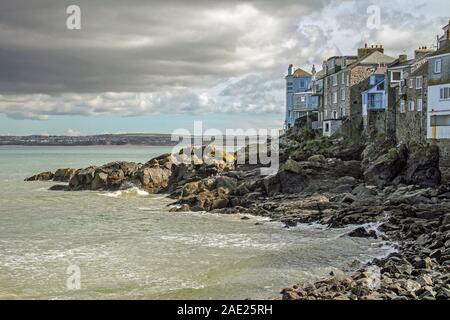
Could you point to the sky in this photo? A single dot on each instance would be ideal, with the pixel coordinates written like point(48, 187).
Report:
point(158, 65)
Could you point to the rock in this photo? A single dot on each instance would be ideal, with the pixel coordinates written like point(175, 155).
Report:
point(386, 167)
point(100, 181)
point(423, 166)
point(345, 188)
point(351, 181)
point(348, 198)
point(272, 184)
point(64, 175)
point(422, 263)
point(293, 166)
point(82, 179)
point(443, 294)
point(59, 187)
point(361, 232)
point(154, 180)
point(291, 182)
point(115, 179)
point(43, 176)
point(427, 293)
point(317, 158)
point(219, 204)
point(425, 280)
point(226, 183)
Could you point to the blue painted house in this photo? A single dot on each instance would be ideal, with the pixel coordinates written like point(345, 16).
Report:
point(298, 94)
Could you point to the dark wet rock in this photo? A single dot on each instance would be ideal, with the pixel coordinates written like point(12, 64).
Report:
point(423, 166)
point(59, 187)
point(43, 176)
point(64, 175)
point(362, 232)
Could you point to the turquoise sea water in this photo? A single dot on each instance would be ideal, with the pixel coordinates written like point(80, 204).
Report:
point(128, 246)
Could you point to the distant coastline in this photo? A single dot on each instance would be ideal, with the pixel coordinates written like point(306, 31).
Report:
point(160, 140)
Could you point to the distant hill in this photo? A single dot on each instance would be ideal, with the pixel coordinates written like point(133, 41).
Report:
point(103, 139)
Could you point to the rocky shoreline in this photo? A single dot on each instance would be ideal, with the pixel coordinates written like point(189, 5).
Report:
point(334, 182)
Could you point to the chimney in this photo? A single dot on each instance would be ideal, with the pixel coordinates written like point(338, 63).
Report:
point(290, 70)
point(362, 52)
point(421, 52)
point(402, 58)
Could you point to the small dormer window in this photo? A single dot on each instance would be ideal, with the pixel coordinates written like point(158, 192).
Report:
point(302, 83)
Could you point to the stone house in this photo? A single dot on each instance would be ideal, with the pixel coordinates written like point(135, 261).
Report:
point(346, 78)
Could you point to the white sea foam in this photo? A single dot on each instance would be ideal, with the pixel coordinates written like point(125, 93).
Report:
point(127, 192)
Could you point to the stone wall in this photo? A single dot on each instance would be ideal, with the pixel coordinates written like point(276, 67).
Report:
point(411, 125)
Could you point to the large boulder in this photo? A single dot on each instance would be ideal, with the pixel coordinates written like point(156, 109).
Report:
point(64, 175)
point(423, 166)
point(100, 181)
point(386, 167)
point(154, 180)
point(82, 179)
point(43, 176)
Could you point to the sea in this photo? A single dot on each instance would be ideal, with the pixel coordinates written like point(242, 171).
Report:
point(127, 245)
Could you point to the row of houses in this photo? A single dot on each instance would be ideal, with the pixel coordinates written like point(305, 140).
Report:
point(372, 93)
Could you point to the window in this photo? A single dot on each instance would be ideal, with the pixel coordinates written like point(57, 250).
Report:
point(343, 78)
point(445, 93)
point(348, 80)
point(335, 97)
point(440, 121)
point(343, 94)
point(402, 106)
point(400, 87)
point(342, 112)
point(327, 127)
point(419, 104)
point(411, 105)
point(302, 98)
point(302, 83)
point(396, 76)
point(419, 81)
point(334, 114)
point(411, 83)
point(335, 80)
point(438, 66)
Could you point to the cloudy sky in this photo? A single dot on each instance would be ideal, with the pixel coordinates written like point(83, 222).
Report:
point(157, 65)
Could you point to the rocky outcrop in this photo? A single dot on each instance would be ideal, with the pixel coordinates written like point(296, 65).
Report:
point(383, 164)
point(43, 176)
point(64, 175)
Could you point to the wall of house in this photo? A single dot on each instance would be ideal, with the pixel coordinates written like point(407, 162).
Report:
point(330, 127)
point(444, 76)
point(411, 125)
point(438, 107)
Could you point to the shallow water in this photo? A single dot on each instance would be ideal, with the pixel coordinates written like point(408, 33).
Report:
point(127, 246)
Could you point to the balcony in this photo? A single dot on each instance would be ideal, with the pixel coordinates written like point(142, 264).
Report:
point(377, 104)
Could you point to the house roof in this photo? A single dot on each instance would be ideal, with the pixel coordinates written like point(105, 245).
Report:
point(301, 73)
point(420, 70)
point(376, 57)
point(443, 50)
point(320, 74)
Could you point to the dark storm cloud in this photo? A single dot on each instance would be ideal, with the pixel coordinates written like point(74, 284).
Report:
point(142, 57)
